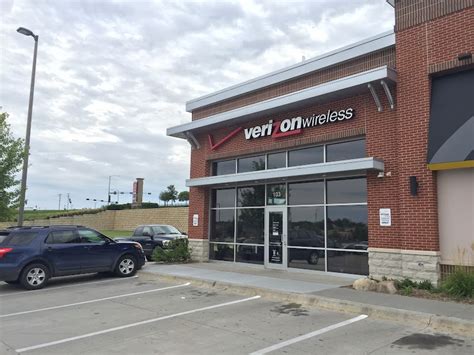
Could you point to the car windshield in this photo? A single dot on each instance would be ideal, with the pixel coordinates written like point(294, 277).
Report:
point(165, 230)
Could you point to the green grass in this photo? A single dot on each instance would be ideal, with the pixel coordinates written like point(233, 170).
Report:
point(115, 234)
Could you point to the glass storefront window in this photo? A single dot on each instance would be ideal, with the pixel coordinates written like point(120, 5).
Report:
point(311, 259)
point(222, 225)
point(345, 150)
point(252, 254)
point(306, 193)
point(221, 252)
point(276, 160)
point(251, 164)
point(323, 234)
point(348, 262)
point(250, 225)
point(223, 167)
point(313, 155)
point(306, 226)
point(296, 157)
point(276, 194)
point(347, 227)
point(347, 191)
point(223, 198)
point(251, 196)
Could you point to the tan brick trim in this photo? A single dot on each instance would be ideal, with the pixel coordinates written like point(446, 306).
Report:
point(404, 251)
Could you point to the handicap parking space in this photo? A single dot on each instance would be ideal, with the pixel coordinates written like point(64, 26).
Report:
point(147, 315)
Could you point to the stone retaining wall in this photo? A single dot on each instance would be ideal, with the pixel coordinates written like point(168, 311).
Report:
point(120, 219)
point(416, 265)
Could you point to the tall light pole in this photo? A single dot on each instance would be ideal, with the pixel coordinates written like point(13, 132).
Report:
point(24, 175)
point(108, 192)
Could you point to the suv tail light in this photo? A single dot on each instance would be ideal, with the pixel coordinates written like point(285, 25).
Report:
point(4, 251)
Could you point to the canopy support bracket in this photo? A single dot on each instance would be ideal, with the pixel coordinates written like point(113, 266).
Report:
point(376, 97)
point(192, 140)
point(388, 93)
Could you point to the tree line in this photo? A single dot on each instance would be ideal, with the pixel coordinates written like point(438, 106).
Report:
point(11, 160)
point(172, 195)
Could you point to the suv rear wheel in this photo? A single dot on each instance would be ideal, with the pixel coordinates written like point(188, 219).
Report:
point(126, 266)
point(34, 276)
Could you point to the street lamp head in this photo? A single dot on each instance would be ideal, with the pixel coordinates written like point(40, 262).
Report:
point(26, 32)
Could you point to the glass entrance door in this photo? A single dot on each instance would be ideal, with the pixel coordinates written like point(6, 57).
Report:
point(276, 238)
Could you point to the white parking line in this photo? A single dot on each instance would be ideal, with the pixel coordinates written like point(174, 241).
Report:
point(93, 301)
point(66, 340)
point(52, 288)
point(309, 335)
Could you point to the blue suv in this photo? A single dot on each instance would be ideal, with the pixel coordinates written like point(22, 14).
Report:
point(30, 256)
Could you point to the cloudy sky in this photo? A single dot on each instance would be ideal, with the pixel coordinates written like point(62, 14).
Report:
point(113, 75)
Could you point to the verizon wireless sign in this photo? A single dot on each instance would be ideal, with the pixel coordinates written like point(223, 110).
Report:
point(295, 125)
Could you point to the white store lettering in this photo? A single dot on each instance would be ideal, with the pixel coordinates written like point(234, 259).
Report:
point(294, 125)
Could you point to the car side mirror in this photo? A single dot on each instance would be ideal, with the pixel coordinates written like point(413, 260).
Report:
point(184, 233)
point(146, 234)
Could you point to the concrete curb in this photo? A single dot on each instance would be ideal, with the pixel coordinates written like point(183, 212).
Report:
point(436, 323)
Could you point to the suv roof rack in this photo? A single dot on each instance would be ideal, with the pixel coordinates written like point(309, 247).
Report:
point(51, 226)
point(25, 227)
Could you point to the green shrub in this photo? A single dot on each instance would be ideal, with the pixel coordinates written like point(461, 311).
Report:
point(407, 290)
point(405, 283)
point(425, 285)
point(406, 286)
point(150, 205)
point(177, 251)
point(459, 284)
point(116, 207)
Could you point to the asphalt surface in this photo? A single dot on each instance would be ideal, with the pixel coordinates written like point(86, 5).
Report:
point(97, 315)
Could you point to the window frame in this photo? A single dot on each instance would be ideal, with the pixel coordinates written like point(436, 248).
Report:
point(287, 154)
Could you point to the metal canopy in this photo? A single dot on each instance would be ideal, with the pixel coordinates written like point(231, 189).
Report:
point(354, 50)
point(332, 90)
point(316, 170)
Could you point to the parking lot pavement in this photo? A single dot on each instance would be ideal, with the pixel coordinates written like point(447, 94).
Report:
point(145, 315)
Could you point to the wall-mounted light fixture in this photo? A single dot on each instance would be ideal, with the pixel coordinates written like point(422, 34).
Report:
point(382, 174)
point(413, 186)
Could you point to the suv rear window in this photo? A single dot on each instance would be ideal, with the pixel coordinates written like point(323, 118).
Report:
point(3, 236)
point(20, 238)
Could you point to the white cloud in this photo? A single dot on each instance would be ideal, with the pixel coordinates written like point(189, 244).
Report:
point(113, 75)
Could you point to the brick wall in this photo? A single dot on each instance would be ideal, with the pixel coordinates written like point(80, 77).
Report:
point(398, 137)
point(410, 13)
point(120, 220)
point(379, 128)
point(419, 48)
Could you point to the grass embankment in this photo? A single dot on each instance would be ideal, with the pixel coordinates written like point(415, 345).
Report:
point(43, 214)
point(115, 234)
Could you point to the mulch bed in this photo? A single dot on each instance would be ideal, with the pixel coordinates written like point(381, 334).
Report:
point(438, 296)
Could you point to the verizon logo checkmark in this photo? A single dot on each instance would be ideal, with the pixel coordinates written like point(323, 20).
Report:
point(223, 140)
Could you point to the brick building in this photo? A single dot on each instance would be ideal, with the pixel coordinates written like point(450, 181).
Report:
point(359, 161)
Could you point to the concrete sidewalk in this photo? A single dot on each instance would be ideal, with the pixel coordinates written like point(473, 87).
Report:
point(324, 291)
